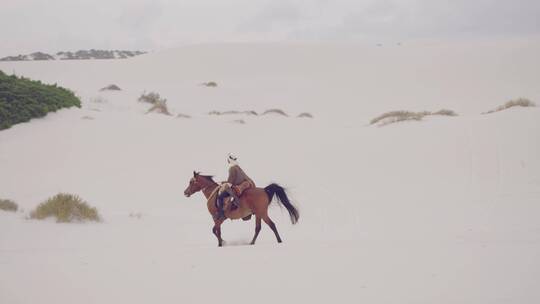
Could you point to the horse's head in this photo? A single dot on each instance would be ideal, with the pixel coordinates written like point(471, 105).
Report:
point(194, 185)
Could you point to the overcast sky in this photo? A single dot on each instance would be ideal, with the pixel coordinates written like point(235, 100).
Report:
point(56, 25)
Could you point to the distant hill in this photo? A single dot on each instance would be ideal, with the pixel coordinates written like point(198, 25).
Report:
point(22, 99)
point(78, 55)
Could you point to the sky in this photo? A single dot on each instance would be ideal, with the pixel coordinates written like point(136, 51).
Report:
point(69, 25)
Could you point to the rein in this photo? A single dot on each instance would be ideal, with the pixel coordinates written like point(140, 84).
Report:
point(213, 191)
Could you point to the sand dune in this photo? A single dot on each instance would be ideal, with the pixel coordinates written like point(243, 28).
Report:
point(443, 210)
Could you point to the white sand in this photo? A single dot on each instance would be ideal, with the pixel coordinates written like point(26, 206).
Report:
point(439, 211)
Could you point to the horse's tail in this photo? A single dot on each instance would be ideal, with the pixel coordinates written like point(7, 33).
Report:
point(283, 199)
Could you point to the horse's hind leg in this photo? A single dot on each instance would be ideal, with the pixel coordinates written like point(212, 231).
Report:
point(272, 226)
point(217, 232)
point(257, 229)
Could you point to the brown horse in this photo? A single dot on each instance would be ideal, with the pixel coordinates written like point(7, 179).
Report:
point(253, 201)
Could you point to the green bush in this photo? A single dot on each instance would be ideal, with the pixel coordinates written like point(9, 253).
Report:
point(22, 99)
point(66, 208)
point(8, 205)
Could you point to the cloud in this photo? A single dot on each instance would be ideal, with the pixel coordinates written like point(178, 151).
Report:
point(31, 25)
point(274, 15)
point(440, 19)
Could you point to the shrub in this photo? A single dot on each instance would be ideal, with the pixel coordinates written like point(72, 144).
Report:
point(239, 121)
point(444, 112)
point(397, 116)
point(233, 113)
point(210, 84)
point(183, 116)
point(22, 99)
point(520, 102)
point(159, 105)
point(229, 113)
point(66, 208)
point(8, 205)
point(152, 98)
point(111, 87)
point(305, 115)
point(275, 111)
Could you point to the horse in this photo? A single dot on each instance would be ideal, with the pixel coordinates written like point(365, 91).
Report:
point(252, 201)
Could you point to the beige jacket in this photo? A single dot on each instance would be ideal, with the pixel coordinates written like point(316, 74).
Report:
point(237, 176)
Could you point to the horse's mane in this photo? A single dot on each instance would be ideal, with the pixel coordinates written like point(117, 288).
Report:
point(208, 177)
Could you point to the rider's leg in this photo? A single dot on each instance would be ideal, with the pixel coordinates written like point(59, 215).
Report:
point(235, 200)
point(221, 197)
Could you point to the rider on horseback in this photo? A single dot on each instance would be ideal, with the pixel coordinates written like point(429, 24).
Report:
point(239, 182)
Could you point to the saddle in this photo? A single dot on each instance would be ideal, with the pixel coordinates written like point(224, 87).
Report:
point(238, 190)
point(227, 202)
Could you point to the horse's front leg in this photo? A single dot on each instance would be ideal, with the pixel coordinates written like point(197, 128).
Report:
point(257, 229)
point(217, 232)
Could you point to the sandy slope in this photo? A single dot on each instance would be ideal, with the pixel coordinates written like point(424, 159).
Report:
point(439, 211)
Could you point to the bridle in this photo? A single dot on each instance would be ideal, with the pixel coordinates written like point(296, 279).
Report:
point(195, 182)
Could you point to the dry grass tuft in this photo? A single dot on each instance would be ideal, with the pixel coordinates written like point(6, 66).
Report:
point(8, 205)
point(87, 118)
point(444, 112)
point(111, 87)
point(305, 115)
point(210, 84)
point(65, 208)
point(233, 113)
point(152, 98)
point(239, 121)
point(520, 102)
point(160, 107)
point(275, 111)
point(397, 116)
point(180, 115)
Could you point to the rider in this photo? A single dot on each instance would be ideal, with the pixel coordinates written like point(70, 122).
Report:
point(239, 183)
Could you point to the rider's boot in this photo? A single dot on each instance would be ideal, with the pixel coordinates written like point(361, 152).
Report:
point(221, 212)
point(235, 198)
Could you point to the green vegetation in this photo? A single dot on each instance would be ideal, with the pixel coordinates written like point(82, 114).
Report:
point(8, 205)
point(66, 208)
point(22, 99)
